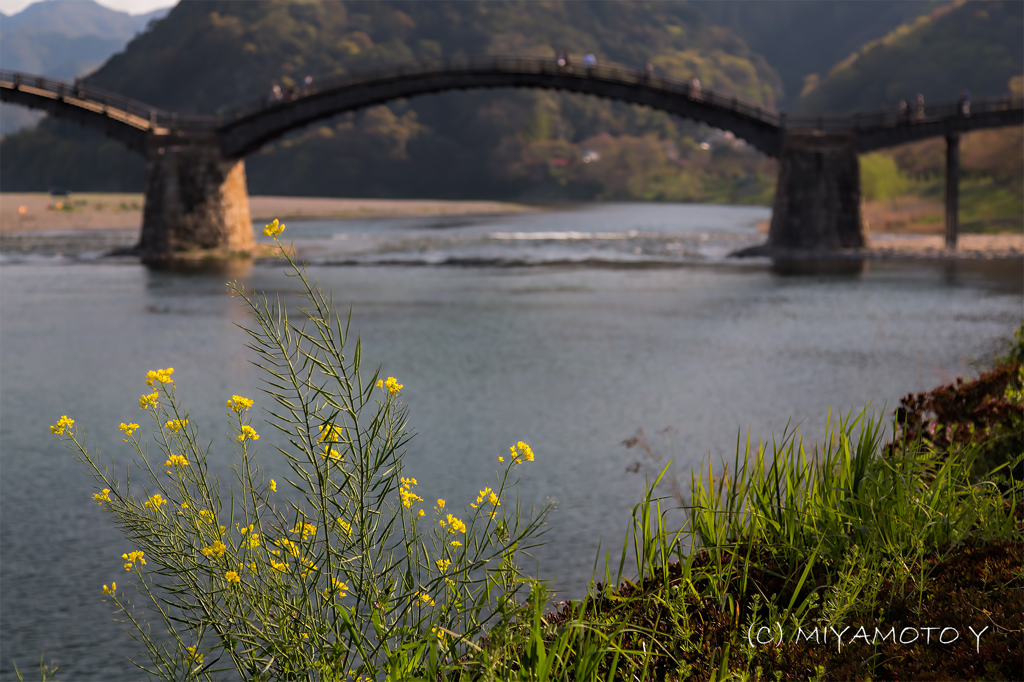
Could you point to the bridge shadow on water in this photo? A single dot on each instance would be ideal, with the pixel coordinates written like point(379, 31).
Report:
point(229, 268)
point(999, 276)
point(829, 267)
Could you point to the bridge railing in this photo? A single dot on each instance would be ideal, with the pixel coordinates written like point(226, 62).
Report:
point(609, 73)
point(473, 64)
point(106, 101)
point(890, 118)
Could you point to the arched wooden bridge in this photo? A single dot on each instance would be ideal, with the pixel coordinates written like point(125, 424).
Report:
point(195, 195)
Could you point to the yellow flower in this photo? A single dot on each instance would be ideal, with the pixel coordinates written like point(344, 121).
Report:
point(439, 633)
point(148, 401)
point(346, 526)
point(455, 543)
point(421, 513)
point(392, 385)
point(486, 495)
point(132, 558)
point(440, 504)
point(443, 564)
point(161, 375)
point(155, 501)
point(338, 587)
point(62, 424)
point(194, 656)
point(306, 528)
point(239, 404)
point(253, 541)
point(310, 567)
point(248, 433)
point(330, 433)
point(232, 577)
point(102, 497)
point(453, 524)
point(176, 424)
point(409, 498)
point(273, 485)
point(425, 598)
point(214, 550)
point(273, 229)
point(206, 515)
point(331, 453)
point(287, 544)
point(176, 460)
point(521, 451)
point(128, 428)
point(279, 566)
point(111, 589)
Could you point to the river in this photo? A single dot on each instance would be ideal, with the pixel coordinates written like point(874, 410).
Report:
point(569, 330)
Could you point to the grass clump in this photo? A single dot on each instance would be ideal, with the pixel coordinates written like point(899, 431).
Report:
point(828, 564)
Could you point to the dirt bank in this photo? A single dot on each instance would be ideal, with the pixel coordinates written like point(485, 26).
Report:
point(93, 211)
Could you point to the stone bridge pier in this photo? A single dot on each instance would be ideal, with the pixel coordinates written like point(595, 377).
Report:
point(817, 198)
point(196, 200)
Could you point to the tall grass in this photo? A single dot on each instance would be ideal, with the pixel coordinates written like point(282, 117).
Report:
point(786, 535)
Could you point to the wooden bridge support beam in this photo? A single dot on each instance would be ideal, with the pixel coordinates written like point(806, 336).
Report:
point(196, 201)
point(817, 198)
point(952, 190)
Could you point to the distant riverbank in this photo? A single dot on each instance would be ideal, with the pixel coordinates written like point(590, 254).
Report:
point(40, 212)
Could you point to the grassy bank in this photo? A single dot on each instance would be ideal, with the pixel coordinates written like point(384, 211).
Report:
point(904, 187)
point(822, 564)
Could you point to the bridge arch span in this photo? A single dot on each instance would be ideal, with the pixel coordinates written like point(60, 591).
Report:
point(247, 129)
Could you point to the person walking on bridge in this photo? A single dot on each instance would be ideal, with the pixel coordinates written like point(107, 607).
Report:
point(694, 87)
point(919, 114)
point(589, 60)
point(964, 108)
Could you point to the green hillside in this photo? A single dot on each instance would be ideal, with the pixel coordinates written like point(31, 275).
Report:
point(800, 38)
point(973, 45)
point(495, 144)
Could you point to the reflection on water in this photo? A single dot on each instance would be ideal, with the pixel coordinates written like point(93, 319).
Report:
point(566, 356)
point(223, 268)
point(830, 267)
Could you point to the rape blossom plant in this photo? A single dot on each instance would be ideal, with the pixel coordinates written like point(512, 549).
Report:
point(338, 573)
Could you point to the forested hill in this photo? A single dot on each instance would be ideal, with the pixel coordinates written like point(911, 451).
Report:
point(804, 39)
point(205, 55)
point(974, 45)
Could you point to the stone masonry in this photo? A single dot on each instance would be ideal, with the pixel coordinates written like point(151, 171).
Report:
point(817, 198)
point(195, 200)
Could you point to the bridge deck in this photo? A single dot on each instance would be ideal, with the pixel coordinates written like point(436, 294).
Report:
point(125, 117)
point(245, 128)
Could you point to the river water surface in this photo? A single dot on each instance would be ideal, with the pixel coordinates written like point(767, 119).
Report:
point(568, 330)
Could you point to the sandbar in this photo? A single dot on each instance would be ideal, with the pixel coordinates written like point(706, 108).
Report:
point(40, 212)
